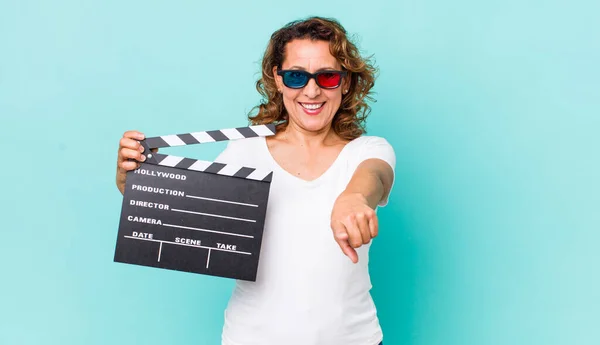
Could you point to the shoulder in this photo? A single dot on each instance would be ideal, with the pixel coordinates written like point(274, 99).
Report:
point(246, 144)
point(368, 145)
point(240, 150)
point(371, 147)
point(370, 142)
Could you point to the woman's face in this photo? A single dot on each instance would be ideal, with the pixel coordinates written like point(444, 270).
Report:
point(310, 108)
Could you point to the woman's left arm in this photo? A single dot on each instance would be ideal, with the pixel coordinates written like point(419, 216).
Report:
point(353, 218)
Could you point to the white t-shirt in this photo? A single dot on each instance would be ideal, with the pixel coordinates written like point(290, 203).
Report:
point(307, 292)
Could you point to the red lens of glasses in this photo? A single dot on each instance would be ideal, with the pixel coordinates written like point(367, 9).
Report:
point(329, 79)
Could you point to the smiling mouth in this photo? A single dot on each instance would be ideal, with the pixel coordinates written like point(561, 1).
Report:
point(311, 106)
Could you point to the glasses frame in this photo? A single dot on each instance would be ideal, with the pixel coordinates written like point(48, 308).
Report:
point(314, 76)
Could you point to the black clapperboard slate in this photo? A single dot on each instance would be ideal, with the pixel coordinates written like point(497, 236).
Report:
point(192, 215)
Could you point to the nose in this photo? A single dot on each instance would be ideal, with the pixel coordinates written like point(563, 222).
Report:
point(312, 90)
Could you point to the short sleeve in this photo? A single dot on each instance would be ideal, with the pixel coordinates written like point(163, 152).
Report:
point(241, 152)
point(380, 148)
point(227, 155)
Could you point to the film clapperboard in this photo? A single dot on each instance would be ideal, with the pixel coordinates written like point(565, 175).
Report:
point(192, 215)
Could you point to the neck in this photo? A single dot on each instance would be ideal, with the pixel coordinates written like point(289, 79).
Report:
point(297, 135)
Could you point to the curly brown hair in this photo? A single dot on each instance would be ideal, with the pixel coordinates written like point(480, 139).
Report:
point(350, 118)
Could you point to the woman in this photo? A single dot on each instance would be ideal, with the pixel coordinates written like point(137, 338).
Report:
point(312, 285)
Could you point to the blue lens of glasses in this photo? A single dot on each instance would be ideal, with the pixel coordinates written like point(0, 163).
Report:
point(295, 79)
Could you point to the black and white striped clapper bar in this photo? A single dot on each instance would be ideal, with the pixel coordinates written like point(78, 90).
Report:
point(191, 215)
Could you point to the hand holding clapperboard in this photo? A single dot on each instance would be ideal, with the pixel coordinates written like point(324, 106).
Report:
point(192, 215)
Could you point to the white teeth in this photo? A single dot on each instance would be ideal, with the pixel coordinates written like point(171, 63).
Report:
point(311, 106)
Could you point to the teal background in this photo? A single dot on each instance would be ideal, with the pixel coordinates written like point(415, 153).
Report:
point(492, 232)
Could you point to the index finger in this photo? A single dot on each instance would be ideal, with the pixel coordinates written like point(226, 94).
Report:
point(341, 237)
point(134, 135)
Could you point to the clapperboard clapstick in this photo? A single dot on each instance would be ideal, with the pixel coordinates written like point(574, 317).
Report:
point(192, 215)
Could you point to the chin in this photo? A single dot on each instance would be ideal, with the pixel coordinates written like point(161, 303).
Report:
point(314, 124)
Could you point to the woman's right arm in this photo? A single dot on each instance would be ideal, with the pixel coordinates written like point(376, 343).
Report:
point(129, 156)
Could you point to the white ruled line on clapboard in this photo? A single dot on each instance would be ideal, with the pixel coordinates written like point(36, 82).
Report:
point(208, 230)
point(213, 215)
point(223, 201)
point(186, 245)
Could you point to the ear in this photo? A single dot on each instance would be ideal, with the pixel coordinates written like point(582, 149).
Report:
point(346, 83)
point(278, 79)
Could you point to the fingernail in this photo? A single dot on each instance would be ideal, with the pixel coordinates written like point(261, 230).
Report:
point(141, 148)
point(143, 158)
